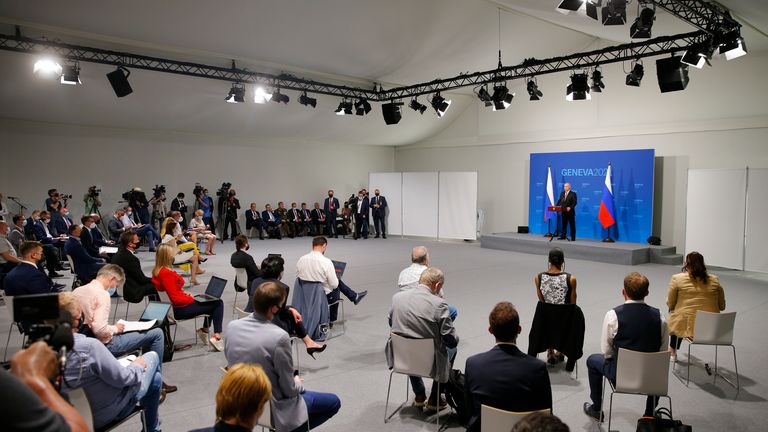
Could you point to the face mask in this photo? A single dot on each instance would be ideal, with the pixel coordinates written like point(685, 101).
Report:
point(112, 291)
point(36, 218)
point(92, 225)
point(67, 214)
point(181, 218)
point(24, 222)
point(129, 214)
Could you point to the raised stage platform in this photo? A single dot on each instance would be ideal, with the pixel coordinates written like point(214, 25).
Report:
point(584, 249)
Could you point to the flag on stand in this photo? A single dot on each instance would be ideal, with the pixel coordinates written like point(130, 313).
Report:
point(550, 199)
point(607, 216)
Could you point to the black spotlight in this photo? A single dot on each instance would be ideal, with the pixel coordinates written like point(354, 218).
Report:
point(119, 81)
point(570, 5)
point(672, 74)
point(533, 90)
point(733, 45)
point(636, 75)
point(578, 89)
point(362, 107)
point(597, 81)
point(417, 106)
point(391, 111)
point(615, 12)
point(484, 96)
point(698, 55)
point(641, 28)
point(307, 101)
point(279, 97)
point(236, 94)
point(345, 108)
point(440, 104)
point(502, 98)
point(70, 74)
point(592, 8)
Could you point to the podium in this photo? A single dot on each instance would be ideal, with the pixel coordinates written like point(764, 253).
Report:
point(555, 209)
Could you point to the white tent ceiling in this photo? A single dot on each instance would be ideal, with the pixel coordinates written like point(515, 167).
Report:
point(394, 42)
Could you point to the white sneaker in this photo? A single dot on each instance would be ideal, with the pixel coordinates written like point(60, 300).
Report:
point(217, 345)
point(203, 336)
point(673, 358)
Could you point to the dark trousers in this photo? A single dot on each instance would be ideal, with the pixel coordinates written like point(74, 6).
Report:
point(330, 223)
point(51, 258)
point(227, 222)
point(378, 223)
point(336, 294)
point(597, 367)
point(361, 225)
point(273, 230)
point(675, 342)
point(285, 320)
point(569, 219)
point(254, 223)
point(213, 308)
point(418, 383)
point(320, 408)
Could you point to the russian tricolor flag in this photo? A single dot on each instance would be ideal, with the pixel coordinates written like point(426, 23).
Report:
point(550, 199)
point(607, 216)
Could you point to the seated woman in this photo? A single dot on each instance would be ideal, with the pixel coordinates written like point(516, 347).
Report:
point(557, 287)
point(692, 290)
point(183, 257)
point(287, 318)
point(184, 305)
point(182, 242)
point(197, 225)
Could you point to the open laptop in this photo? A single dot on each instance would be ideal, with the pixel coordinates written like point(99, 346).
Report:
point(214, 290)
point(339, 267)
point(155, 311)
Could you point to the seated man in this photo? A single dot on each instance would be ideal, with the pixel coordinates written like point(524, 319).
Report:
point(147, 231)
point(253, 220)
point(242, 259)
point(315, 267)
point(409, 277)
point(294, 220)
point(318, 220)
point(115, 225)
point(505, 377)
point(8, 257)
point(420, 313)
point(633, 325)
point(26, 278)
point(61, 221)
point(305, 224)
point(98, 236)
point(87, 240)
point(271, 222)
point(113, 390)
point(137, 284)
point(86, 266)
point(52, 245)
point(256, 339)
point(17, 236)
point(282, 214)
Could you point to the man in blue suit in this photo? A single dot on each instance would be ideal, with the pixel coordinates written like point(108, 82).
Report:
point(61, 221)
point(271, 222)
point(362, 209)
point(379, 210)
point(505, 377)
point(331, 208)
point(86, 266)
point(26, 278)
point(49, 243)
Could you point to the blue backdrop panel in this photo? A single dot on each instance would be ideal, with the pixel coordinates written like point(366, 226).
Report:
point(632, 185)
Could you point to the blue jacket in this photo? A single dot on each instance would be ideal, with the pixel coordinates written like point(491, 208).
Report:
point(265, 217)
point(382, 202)
point(86, 266)
point(25, 279)
point(59, 223)
point(40, 233)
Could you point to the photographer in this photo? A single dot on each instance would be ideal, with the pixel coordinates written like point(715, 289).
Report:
point(53, 203)
point(91, 200)
point(159, 210)
point(231, 207)
point(138, 200)
point(28, 400)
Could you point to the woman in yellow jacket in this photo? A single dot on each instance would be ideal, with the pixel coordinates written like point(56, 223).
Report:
point(690, 291)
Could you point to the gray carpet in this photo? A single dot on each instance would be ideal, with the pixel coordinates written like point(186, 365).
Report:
point(353, 366)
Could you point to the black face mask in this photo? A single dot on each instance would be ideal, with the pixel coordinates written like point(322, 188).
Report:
point(80, 324)
point(247, 247)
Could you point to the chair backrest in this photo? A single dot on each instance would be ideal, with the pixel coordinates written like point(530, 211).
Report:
point(241, 279)
point(714, 328)
point(413, 356)
point(71, 263)
point(241, 313)
point(497, 420)
point(165, 299)
point(79, 400)
point(265, 420)
point(642, 373)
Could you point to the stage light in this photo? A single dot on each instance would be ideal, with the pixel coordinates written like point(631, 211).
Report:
point(672, 74)
point(567, 6)
point(47, 68)
point(615, 12)
point(597, 81)
point(70, 74)
point(636, 75)
point(698, 55)
point(733, 46)
point(440, 104)
point(502, 98)
point(279, 97)
point(236, 94)
point(307, 101)
point(391, 112)
point(260, 96)
point(533, 90)
point(578, 89)
point(417, 106)
point(362, 107)
point(591, 8)
point(119, 81)
point(641, 28)
point(345, 108)
point(484, 96)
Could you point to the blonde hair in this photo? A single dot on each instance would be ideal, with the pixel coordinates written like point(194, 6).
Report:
point(69, 303)
point(242, 393)
point(165, 225)
point(199, 212)
point(163, 258)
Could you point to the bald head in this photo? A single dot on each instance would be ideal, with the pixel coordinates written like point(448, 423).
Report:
point(420, 255)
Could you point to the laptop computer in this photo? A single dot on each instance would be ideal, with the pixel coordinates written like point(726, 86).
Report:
point(214, 290)
point(155, 311)
point(339, 267)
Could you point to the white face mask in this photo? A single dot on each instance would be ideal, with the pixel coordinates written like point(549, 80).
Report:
point(24, 223)
point(181, 218)
point(92, 225)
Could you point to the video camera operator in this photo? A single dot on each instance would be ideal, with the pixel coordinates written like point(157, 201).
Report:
point(159, 210)
point(204, 202)
point(91, 200)
point(231, 207)
point(56, 201)
point(138, 201)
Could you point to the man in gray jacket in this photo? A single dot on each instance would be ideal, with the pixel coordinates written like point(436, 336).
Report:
point(421, 313)
point(255, 339)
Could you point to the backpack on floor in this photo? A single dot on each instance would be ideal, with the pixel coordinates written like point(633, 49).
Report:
point(454, 395)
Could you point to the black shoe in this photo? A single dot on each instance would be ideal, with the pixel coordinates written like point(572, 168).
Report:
point(169, 388)
point(573, 238)
point(384, 236)
point(336, 236)
point(53, 275)
point(360, 296)
point(377, 236)
point(592, 412)
point(261, 237)
point(561, 238)
point(201, 259)
point(312, 351)
point(435, 404)
point(162, 396)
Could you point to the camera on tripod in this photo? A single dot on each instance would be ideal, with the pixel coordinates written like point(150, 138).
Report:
point(159, 191)
point(93, 192)
point(198, 191)
point(46, 322)
point(224, 190)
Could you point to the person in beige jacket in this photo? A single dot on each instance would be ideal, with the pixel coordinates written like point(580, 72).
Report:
point(690, 291)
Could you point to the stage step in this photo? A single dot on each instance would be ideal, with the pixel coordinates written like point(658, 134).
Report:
point(665, 255)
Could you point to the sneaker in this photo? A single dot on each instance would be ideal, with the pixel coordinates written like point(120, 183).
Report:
point(216, 344)
point(673, 358)
point(420, 401)
point(592, 412)
point(202, 335)
point(433, 406)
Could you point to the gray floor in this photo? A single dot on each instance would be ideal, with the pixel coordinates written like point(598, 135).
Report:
point(353, 366)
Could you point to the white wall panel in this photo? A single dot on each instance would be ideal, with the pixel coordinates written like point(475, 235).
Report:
point(390, 184)
point(420, 194)
point(756, 258)
point(458, 205)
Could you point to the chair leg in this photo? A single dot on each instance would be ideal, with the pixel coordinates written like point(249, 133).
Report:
point(688, 361)
point(714, 375)
point(386, 404)
point(610, 412)
point(7, 342)
point(736, 367)
point(602, 399)
point(437, 417)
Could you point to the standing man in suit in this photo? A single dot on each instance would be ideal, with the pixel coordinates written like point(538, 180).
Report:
point(86, 266)
point(331, 208)
point(568, 201)
point(505, 377)
point(362, 209)
point(256, 339)
point(253, 220)
point(180, 206)
point(318, 219)
point(137, 284)
point(379, 209)
point(231, 207)
point(271, 222)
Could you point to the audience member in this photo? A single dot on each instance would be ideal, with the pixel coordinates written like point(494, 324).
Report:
point(184, 243)
point(241, 259)
point(362, 209)
point(379, 210)
point(29, 228)
point(180, 256)
point(305, 226)
point(421, 313)
point(178, 205)
point(253, 220)
point(540, 422)
point(282, 214)
point(98, 236)
point(331, 209)
point(17, 235)
point(51, 245)
point(198, 225)
point(143, 230)
point(271, 222)
point(137, 284)
point(692, 290)
point(294, 221)
point(240, 399)
point(61, 221)
point(316, 267)
point(318, 220)
point(557, 287)
point(113, 390)
point(8, 257)
point(86, 266)
point(409, 277)
point(633, 325)
point(256, 339)
point(184, 305)
point(3, 209)
point(505, 377)
point(86, 238)
point(26, 278)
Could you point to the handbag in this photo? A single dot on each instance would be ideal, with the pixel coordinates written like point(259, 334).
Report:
point(662, 421)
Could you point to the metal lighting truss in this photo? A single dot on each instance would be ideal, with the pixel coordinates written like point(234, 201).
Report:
point(711, 19)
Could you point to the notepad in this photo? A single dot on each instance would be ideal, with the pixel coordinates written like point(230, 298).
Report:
point(126, 361)
point(107, 249)
point(133, 326)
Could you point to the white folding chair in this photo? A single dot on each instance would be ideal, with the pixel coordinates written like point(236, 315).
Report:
point(714, 329)
point(241, 284)
point(79, 400)
point(640, 373)
point(411, 357)
point(9, 307)
point(76, 282)
point(175, 321)
point(499, 420)
point(331, 333)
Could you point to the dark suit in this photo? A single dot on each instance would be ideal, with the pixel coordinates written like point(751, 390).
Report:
point(86, 238)
point(86, 266)
point(253, 220)
point(98, 237)
point(137, 284)
point(379, 213)
point(26, 279)
point(179, 206)
point(50, 246)
point(244, 260)
point(60, 224)
point(316, 215)
point(294, 221)
point(569, 217)
point(330, 215)
point(305, 225)
point(362, 209)
point(115, 227)
point(505, 378)
point(272, 226)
